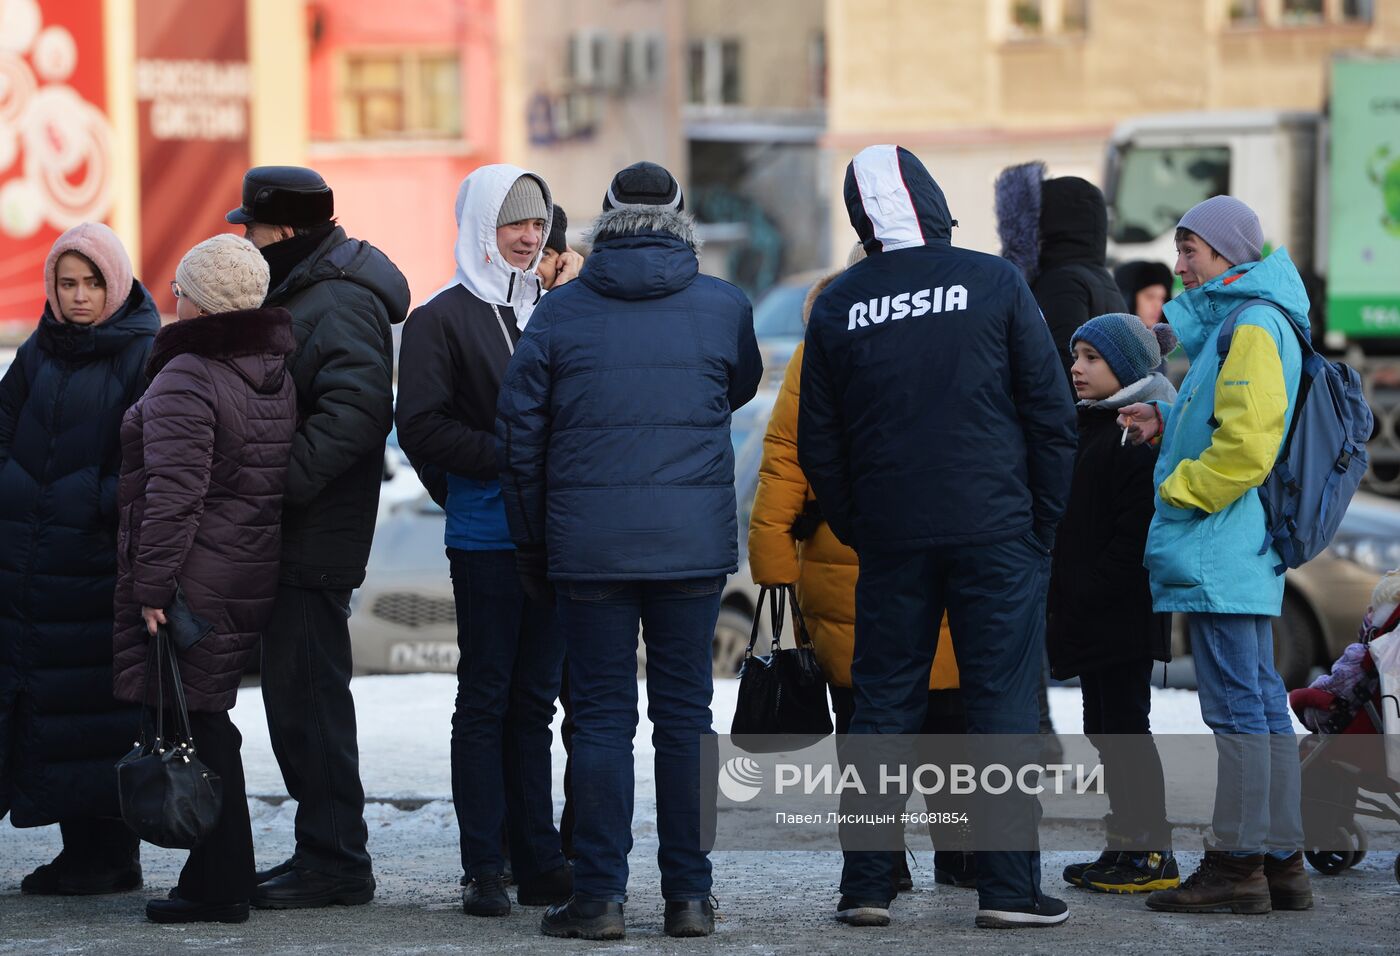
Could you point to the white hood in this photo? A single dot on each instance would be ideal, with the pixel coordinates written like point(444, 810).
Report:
point(481, 268)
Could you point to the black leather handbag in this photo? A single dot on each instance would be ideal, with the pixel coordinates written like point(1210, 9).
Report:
point(783, 694)
point(168, 796)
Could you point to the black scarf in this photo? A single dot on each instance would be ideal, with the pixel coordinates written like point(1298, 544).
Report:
point(282, 257)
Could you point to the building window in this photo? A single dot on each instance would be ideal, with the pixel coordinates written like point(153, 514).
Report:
point(1301, 12)
point(714, 69)
point(1244, 12)
point(1027, 18)
point(1298, 13)
point(401, 95)
point(1032, 19)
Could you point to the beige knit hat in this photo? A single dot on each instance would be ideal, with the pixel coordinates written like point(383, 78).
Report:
point(224, 274)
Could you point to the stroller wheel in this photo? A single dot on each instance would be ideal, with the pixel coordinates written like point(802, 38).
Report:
point(1329, 862)
point(1333, 861)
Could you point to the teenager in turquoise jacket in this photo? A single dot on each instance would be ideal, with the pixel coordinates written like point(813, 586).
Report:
point(1220, 439)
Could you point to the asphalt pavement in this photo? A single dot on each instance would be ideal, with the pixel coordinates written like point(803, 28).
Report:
point(771, 902)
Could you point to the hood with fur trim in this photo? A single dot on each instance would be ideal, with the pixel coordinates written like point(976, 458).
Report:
point(1045, 223)
point(641, 253)
point(481, 268)
point(254, 342)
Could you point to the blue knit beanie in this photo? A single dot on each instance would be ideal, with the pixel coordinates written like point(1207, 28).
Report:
point(1131, 350)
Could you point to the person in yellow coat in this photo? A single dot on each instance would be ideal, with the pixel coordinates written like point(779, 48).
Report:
point(789, 543)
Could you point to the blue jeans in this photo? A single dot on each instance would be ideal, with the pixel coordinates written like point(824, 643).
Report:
point(507, 681)
point(600, 619)
point(1243, 700)
point(994, 595)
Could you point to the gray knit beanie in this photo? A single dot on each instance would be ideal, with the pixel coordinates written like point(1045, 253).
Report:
point(1131, 350)
point(1231, 228)
point(224, 274)
point(524, 201)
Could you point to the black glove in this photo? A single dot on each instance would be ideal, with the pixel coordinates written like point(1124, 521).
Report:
point(532, 567)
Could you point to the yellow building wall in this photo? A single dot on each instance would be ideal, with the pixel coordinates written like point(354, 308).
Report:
point(946, 79)
point(775, 53)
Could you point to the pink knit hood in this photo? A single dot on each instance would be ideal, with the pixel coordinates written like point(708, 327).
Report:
point(101, 245)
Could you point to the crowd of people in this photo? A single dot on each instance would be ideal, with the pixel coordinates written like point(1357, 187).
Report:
point(973, 460)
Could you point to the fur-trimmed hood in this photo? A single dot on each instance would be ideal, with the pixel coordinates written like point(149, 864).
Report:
point(632, 221)
point(641, 254)
point(1045, 223)
point(1018, 216)
point(255, 343)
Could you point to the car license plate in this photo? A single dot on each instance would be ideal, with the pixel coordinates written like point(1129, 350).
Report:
point(414, 656)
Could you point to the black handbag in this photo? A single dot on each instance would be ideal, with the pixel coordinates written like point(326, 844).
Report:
point(168, 796)
point(783, 693)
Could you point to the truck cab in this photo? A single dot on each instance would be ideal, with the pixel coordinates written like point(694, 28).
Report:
point(1158, 167)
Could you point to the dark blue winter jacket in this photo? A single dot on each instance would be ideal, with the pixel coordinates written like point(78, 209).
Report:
point(613, 420)
point(61, 407)
point(933, 407)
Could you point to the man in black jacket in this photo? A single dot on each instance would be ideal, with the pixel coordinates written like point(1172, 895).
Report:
point(456, 347)
point(344, 295)
point(939, 439)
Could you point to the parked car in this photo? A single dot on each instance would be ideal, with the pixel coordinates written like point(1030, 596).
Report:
point(1324, 600)
point(404, 616)
point(777, 322)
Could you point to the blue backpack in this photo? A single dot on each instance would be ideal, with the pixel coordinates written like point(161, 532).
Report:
point(1323, 457)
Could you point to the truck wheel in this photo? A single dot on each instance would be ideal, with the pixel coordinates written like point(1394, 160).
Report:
point(731, 638)
point(1295, 641)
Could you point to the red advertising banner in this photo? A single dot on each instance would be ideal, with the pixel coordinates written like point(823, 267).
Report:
point(192, 89)
point(55, 140)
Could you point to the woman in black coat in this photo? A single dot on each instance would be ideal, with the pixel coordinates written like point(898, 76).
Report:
point(61, 405)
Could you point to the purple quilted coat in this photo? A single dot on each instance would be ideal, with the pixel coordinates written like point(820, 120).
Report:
point(204, 462)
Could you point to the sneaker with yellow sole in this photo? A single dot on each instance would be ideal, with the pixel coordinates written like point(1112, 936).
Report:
point(1135, 873)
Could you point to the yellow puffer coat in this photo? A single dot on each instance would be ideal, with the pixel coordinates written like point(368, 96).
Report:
point(823, 568)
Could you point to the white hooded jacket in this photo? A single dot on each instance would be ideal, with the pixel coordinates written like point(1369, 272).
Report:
point(481, 267)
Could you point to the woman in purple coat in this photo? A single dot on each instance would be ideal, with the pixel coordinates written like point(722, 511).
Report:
point(204, 462)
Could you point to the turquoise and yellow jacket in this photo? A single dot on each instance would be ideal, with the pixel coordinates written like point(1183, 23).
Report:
point(1220, 440)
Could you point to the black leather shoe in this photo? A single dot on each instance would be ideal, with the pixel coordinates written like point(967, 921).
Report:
point(262, 876)
point(486, 896)
point(60, 879)
point(689, 918)
point(546, 889)
point(176, 909)
point(300, 888)
point(584, 919)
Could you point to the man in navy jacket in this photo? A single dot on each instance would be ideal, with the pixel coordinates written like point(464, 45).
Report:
point(938, 437)
point(617, 473)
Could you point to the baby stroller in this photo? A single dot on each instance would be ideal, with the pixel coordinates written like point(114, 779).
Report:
point(1342, 783)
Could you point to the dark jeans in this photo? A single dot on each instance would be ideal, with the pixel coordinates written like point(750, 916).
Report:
point(1117, 701)
point(306, 670)
point(220, 870)
point(600, 620)
point(945, 715)
point(994, 595)
point(507, 680)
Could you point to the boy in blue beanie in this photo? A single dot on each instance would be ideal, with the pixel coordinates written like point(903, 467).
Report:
point(1101, 626)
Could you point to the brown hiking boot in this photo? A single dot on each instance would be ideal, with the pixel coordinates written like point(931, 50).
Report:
point(1222, 884)
point(1289, 886)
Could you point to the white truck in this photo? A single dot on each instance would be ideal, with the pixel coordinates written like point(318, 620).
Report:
point(1325, 184)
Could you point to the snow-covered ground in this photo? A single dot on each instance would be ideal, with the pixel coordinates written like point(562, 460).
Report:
point(405, 720)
